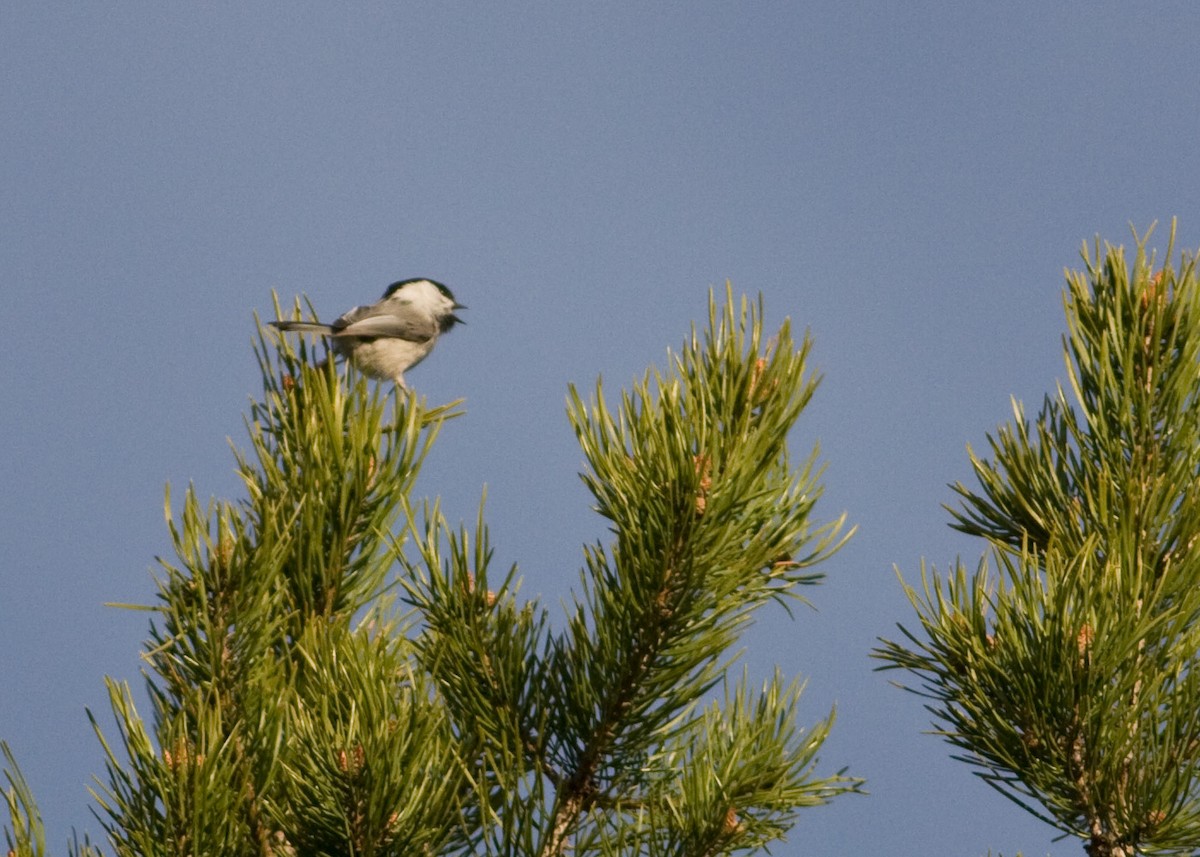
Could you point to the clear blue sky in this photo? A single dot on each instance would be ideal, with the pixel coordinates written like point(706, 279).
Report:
point(907, 180)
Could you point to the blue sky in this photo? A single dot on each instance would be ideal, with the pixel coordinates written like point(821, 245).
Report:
point(906, 180)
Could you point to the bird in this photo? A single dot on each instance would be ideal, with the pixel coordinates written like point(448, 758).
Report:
point(387, 338)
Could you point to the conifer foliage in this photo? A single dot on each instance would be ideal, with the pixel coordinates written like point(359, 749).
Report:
point(307, 700)
point(1064, 668)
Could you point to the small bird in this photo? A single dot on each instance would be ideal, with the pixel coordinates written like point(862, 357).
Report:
point(387, 338)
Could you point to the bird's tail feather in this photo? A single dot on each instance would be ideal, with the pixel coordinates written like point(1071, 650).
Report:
point(302, 327)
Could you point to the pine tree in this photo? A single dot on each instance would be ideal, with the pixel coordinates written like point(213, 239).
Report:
point(305, 700)
point(1064, 667)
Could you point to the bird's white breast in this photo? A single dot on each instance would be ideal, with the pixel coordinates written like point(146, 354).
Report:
point(388, 358)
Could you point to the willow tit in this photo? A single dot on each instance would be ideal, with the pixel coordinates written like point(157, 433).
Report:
point(387, 338)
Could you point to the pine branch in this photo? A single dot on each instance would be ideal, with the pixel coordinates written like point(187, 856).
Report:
point(578, 738)
point(293, 711)
point(1067, 673)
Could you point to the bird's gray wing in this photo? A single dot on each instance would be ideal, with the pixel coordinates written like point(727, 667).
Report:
point(394, 323)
